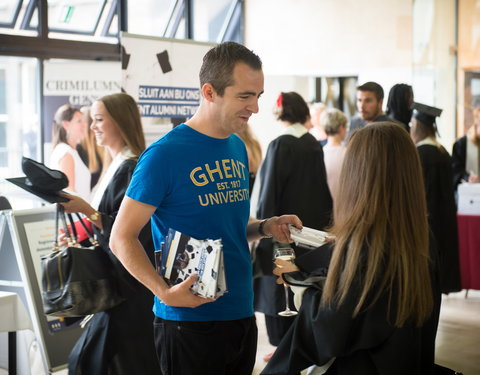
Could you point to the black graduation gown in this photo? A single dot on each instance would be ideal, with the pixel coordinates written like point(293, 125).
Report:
point(365, 345)
point(84, 156)
point(292, 180)
point(459, 161)
point(438, 177)
point(120, 340)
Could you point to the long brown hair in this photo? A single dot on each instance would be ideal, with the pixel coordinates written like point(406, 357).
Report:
point(254, 149)
point(124, 111)
point(90, 145)
point(63, 113)
point(380, 221)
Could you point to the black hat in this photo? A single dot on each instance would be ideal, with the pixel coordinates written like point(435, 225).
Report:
point(425, 113)
point(41, 181)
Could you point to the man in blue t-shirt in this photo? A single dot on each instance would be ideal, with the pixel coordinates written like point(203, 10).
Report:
point(195, 180)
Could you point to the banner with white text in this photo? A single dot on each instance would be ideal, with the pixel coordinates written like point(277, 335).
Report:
point(162, 76)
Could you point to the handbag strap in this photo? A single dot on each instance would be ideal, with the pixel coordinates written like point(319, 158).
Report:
point(57, 216)
point(61, 214)
point(87, 230)
point(73, 229)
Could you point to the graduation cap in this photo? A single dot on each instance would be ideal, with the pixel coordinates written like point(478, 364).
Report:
point(41, 181)
point(426, 114)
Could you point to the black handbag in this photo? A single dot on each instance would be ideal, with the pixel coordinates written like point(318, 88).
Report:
point(78, 281)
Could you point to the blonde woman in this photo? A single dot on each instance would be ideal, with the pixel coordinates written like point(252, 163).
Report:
point(376, 311)
point(254, 151)
point(90, 152)
point(335, 124)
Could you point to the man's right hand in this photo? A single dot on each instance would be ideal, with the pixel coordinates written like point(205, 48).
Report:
point(180, 295)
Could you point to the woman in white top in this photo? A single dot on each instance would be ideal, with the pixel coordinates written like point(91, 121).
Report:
point(69, 127)
point(335, 124)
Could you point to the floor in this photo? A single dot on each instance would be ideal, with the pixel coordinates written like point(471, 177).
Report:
point(458, 337)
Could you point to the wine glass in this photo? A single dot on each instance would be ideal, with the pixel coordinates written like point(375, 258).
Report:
point(285, 253)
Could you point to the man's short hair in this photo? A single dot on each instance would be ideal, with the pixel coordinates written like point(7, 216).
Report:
point(331, 119)
point(372, 87)
point(219, 62)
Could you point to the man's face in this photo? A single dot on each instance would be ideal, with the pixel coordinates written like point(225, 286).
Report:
point(240, 100)
point(368, 106)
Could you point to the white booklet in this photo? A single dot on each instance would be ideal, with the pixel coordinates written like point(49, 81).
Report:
point(309, 237)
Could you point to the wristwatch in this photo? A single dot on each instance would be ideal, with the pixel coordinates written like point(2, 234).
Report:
point(261, 231)
point(94, 216)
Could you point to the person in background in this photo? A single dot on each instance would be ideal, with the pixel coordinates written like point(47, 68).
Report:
point(335, 124)
point(317, 130)
point(370, 300)
point(120, 340)
point(195, 180)
point(90, 152)
point(369, 105)
point(69, 128)
point(466, 152)
point(292, 179)
point(254, 152)
point(440, 194)
point(400, 104)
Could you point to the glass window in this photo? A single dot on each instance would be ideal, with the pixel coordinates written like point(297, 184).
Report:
point(211, 18)
point(3, 96)
point(147, 17)
point(234, 30)
point(8, 12)
point(3, 144)
point(74, 16)
point(3, 124)
point(19, 113)
point(15, 14)
point(181, 32)
point(78, 19)
point(113, 27)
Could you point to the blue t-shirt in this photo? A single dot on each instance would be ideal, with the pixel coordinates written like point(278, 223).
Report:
point(199, 185)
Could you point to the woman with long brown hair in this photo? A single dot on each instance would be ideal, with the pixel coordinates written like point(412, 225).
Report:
point(68, 131)
point(376, 311)
point(120, 340)
point(94, 156)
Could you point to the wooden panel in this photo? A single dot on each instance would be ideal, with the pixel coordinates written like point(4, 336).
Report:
point(468, 59)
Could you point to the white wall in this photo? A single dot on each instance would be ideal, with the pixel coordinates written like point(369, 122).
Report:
point(372, 40)
point(306, 37)
point(315, 38)
point(263, 123)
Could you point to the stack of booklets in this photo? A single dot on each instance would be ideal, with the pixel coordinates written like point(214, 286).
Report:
point(182, 256)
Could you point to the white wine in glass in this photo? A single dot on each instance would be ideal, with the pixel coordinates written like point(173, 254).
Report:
point(285, 253)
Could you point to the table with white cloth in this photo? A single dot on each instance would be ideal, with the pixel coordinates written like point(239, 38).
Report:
point(14, 317)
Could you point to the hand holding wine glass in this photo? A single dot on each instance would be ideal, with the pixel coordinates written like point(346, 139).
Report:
point(286, 254)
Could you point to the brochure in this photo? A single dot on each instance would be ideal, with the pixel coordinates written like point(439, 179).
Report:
point(182, 256)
